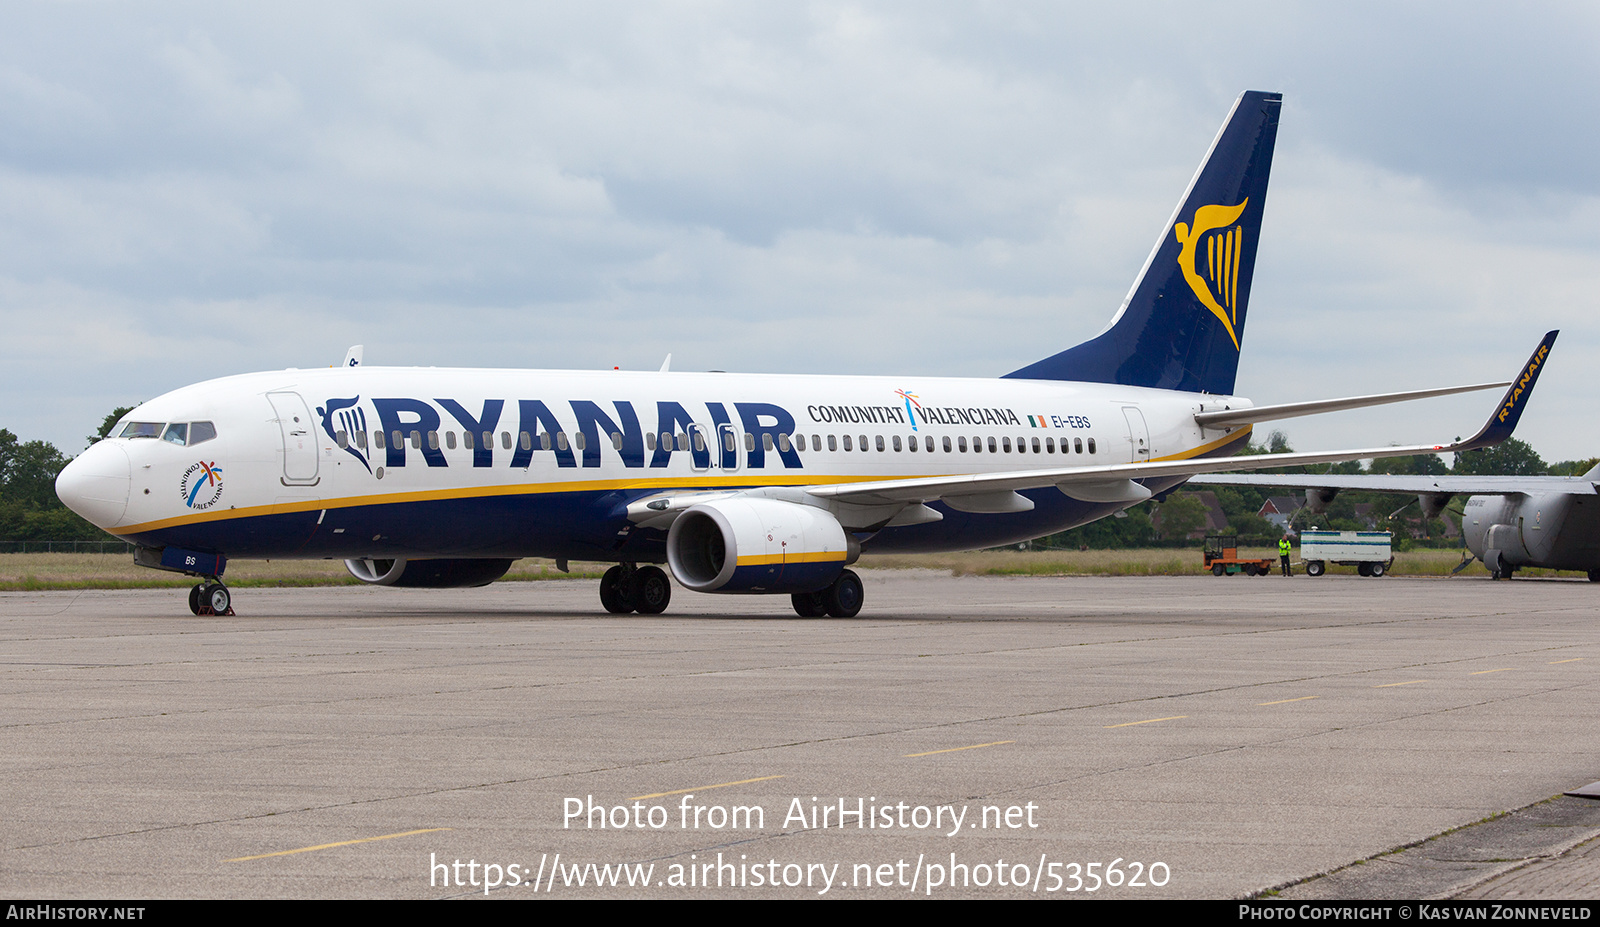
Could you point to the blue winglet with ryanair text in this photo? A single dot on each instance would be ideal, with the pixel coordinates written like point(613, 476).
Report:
point(1504, 419)
point(1183, 322)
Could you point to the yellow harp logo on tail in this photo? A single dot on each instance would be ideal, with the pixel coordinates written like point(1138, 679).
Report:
point(1218, 289)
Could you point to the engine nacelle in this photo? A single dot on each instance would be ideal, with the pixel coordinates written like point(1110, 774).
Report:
point(428, 574)
point(757, 545)
point(1319, 497)
point(1432, 503)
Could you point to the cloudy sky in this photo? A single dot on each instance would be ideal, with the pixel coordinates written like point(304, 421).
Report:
point(189, 190)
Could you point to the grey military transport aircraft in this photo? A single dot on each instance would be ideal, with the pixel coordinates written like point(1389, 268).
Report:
point(1509, 522)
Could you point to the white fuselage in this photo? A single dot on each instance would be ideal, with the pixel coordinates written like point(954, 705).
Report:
point(373, 461)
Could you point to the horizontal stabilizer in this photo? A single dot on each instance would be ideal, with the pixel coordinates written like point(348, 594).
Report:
point(1225, 417)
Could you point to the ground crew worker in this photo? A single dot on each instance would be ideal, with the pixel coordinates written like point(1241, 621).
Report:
point(1283, 555)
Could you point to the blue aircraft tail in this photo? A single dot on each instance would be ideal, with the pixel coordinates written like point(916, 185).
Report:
point(1183, 322)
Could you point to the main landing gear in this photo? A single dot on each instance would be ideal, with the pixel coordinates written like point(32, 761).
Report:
point(628, 588)
point(843, 599)
point(211, 598)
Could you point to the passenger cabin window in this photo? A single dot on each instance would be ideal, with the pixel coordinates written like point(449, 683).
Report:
point(846, 443)
point(450, 440)
point(834, 445)
point(1091, 445)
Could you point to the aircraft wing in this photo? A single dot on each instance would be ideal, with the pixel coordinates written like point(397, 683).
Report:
point(1377, 482)
point(994, 492)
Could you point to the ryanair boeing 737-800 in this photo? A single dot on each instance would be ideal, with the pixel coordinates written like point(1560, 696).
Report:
point(740, 483)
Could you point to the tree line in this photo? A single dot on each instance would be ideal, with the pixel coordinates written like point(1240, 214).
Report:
point(1169, 521)
point(30, 513)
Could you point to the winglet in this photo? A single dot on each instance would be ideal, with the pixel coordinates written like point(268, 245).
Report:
point(1504, 419)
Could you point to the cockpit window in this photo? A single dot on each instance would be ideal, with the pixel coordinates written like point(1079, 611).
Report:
point(183, 434)
point(141, 430)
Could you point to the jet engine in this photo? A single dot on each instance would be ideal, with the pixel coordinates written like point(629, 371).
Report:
point(758, 545)
point(428, 574)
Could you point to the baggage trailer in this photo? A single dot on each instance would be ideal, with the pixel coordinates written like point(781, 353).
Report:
point(1368, 551)
point(1222, 558)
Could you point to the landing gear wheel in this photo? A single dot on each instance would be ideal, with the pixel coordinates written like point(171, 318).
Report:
point(1377, 569)
point(650, 590)
point(614, 592)
point(810, 604)
point(211, 599)
point(1315, 568)
point(1218, 569)
point(845, 596)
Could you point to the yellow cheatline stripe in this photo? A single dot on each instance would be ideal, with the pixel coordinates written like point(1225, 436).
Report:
point(1573, 660)
point(1288, 700)
point(1390, 685)
point(514, 489)
point(1505, 669)
point(1151, 721)
point(702, 788)
point(531, 489)
point(959, 749)
point(342, 843)
point(1208, 447)
point(818, 557)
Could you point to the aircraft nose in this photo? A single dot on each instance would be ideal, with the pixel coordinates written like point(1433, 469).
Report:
point(96, 485)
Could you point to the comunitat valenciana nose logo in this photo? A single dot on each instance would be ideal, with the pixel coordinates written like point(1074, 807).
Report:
point(1218, 289)
point(201, 485)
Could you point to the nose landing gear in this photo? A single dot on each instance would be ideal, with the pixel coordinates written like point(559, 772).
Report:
point(211, 598)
